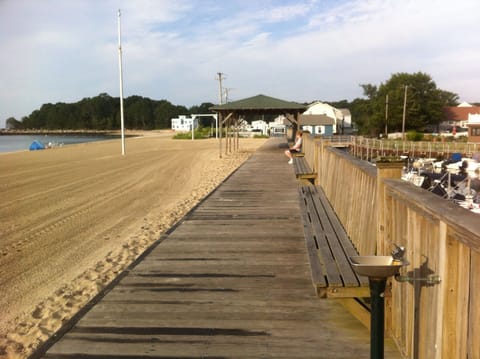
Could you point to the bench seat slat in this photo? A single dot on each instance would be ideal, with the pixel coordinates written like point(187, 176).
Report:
point(302, 169)
point(325, 255)
point(329, 248)
point(340, 245)
point(317, 271)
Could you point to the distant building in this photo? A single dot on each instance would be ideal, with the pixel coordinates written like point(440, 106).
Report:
point(317, 124)
point(458, 116)
point(259, 126)
point(473, 125)
point(346, 120)
point(182, 123)
point(461, 118)
point(331, 120)
point(278, 126)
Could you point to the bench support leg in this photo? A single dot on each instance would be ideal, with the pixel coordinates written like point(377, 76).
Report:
point(377, 319)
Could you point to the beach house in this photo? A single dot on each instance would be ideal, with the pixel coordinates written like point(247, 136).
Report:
point(322, 118)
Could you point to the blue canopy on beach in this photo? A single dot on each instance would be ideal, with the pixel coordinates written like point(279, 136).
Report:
point(36, 145)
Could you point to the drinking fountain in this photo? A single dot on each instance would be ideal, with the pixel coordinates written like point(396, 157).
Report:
point(378, 269)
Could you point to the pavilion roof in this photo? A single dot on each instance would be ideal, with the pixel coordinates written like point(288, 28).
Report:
point(259, 104)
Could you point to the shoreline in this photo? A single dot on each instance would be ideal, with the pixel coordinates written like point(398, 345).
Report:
point(102, 136)
point(9, 132)
point(97, 209)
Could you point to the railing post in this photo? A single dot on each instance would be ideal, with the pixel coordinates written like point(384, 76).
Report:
point(385, 169)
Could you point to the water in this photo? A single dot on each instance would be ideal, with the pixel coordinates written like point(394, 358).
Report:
point(13, 143)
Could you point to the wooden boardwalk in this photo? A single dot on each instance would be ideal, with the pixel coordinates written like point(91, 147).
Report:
point(232, 280)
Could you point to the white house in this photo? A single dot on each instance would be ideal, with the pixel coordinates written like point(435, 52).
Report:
point(342, 118)
point(321, 108)
point(183, 123)
point(260, 126)
point(278, 126)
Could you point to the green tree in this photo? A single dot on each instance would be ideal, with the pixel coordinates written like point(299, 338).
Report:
point(362, 114)
point(423, 105)
point(139, 113)
point(203, 109)
point(13, 123)
point(164, 111)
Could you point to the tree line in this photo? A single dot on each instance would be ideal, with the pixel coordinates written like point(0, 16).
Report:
point(102, 112)
point(381, 110)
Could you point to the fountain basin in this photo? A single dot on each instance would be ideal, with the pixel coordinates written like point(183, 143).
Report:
point(377, 266)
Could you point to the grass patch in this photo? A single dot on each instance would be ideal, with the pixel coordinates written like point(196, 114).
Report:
point(199, 134)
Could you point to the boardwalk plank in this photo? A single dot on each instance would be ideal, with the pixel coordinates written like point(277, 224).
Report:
point(232, 280)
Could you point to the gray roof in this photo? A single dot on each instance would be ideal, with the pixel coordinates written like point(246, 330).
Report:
point(259, 104)
point(315, 120)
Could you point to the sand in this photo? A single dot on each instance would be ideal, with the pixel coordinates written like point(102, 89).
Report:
point(73, 218)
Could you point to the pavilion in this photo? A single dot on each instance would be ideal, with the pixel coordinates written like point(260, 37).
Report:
point(230, 113)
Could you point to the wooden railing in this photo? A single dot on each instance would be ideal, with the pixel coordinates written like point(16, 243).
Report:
point(367, 148)
point(442, 240)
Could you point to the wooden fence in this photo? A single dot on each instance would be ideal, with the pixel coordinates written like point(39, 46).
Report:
point(427, 319)
point(367, 148)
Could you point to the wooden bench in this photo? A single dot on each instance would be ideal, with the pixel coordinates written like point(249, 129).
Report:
point(295, 154)
point(329, 248)
point(303, 171)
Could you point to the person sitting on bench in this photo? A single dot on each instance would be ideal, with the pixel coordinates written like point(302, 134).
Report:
point(296, 148)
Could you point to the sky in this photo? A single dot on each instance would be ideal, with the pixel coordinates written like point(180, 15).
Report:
point(305, 50)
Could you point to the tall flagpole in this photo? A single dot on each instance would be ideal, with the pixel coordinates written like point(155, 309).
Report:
point(121, 83)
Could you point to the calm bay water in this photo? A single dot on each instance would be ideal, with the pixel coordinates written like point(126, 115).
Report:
point(13, 143)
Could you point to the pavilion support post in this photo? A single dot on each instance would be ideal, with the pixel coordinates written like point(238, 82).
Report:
point(294, 121)
point(228, 137)
point(232, 129)
point(219, 134)
point(236, 134)
point(227, 121)
point(229, 134)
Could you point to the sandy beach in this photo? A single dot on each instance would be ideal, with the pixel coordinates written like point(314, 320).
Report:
point(73, 218)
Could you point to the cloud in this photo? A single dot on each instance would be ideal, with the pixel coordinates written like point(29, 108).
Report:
point(295, 50)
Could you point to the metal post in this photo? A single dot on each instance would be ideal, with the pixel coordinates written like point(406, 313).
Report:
point(404, 112)
point(193, 133)
point(377, 317)
point(386, 116)
point(121, 83)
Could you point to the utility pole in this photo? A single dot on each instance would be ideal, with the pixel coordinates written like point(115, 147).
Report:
point(227, 91)
point(220, 89)
point(386, 116)
point(404, 112)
